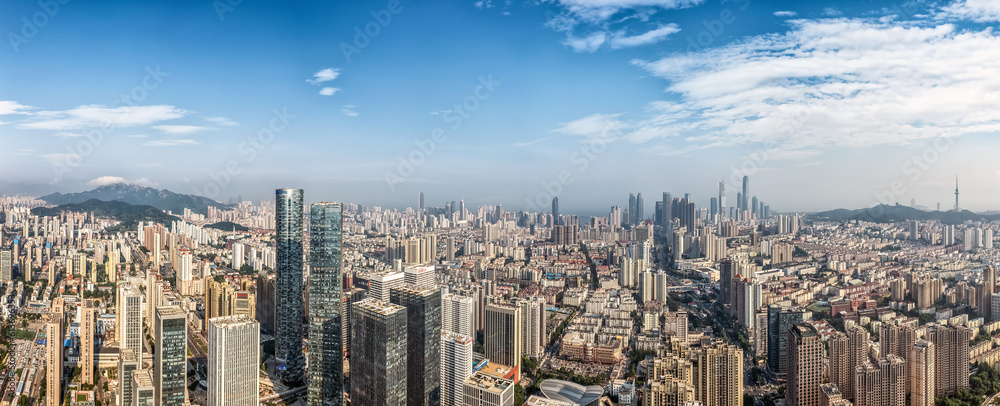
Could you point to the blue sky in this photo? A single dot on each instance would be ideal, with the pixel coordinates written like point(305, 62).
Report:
point(823, 104)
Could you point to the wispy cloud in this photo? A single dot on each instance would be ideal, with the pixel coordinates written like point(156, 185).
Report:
point(324, 75)
point(114, 180)
point(349, 111)
point(981, 11)
point(90, 116)
point(13, 107)
point(179, 129)
point(170, 143)
point(26, 152)
point(222, 121)
point(785, 13)
point(621, 40)
point(529, 143)
point(328, 91)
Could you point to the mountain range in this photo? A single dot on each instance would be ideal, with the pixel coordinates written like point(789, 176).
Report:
point(139, 195)
point(129, 215)
point(885, 213)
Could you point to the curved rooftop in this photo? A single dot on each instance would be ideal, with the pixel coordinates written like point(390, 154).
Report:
point(566, 391)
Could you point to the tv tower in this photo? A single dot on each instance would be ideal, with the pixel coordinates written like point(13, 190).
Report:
point(957, 207)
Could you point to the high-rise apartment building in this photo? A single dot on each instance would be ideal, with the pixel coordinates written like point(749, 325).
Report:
point(129, 318)
point(326, 353)
point(951, 358)
point(88, 329)
point(921, 374)
point(718, 375)
point(54, 354)
point(419, 276)
point(458, 315)
point(532, 326)
point(423, 335)
point(805, 366)
point(898, 340)
point(233, 356)
point(170, 360)
point(456, 366)
point(848, 352)
point(881, 382)
point(6, 264)
point(289, 304)
point(379, 284)
point(378, 353)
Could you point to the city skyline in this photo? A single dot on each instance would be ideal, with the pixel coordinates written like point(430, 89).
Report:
point(503, 102)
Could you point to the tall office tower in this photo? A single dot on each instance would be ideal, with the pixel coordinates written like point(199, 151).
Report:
point(805, 366)
point(713, 207)
point(461, 209)
point(456, 366)
point(129, 364)
point(881, 383)
point(419, 276)
point(631, 217)
point(233, 354)
point(779, 321)
point(726, 275)
point(898, 340)
point(921, 374)
point(985, 292)
point(54, 354)
point(378, 353)
point(420, 201)
point(88, 320)
point(129, 315)
point(847, 353)
point(667, 215)
point(483, 389)
point(6, 264)
point(289, 304)
point(754, 210)
point(238, 256)
point(640, 209)
point(326, 355)
point(379, 284)
point(423, 335)
point(170, 360)
point(555, 211)
point(746, 193)
point(532, 327)
point(722, 198)
point(718, 375)
point(951, 358)
point(457, 314)
point(503, 335)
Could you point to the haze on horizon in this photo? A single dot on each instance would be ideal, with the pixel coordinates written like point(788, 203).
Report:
point(830, 104)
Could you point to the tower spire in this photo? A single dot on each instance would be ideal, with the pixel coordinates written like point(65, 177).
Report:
point(957, 207)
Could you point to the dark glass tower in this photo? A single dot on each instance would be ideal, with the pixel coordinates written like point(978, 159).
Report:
point(378, 353)
point(326, 355)
point(423, 326)
point(288, 294)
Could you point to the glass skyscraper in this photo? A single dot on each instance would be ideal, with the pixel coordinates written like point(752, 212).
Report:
point(289, 306)
point(170, 363)
point(378, 353)
point(423, 370)
point(326, 362)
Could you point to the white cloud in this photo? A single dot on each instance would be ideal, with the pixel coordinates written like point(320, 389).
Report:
point(601, 10)
point(170, 143)
point(324, 75)
point(587, 44)
point(349, 111)
point(824, 84)
point(13, 107)
point(607, 127)
point(529, 143)
point(179, 129)
point(328, 91)
point(785, 13)
point(649, 37)
point(26, 152)
point(222, 121)
point(982, 11)
point(107, 180)
point(90, 116)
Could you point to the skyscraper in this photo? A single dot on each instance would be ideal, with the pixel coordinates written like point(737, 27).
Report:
point(848, 352)
point(503, 335)
point(170, 360)
point(986, 291)
point(420, 203)
point(746, 193)
point(532, 327)
point(718, 375)
point(921, 371)
point(233, 354)
point(326, 375)
point(631, 216)
point(54, 354)
point(555, 211)
point(289, 305)
point(667, 213)
point(722, 198)
point(423, 335)
point(456, 366)
point(779, 321)
point(129, 364)
point(129, 318)
point(805, 369)
point(640, 209)
point(88, 319)
point(457, 314)
point(951, 358)
point(6, 264)
point(378, 353)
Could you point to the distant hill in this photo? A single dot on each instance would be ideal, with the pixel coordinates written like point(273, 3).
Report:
point(227, 226)
point(885, 213)
point(129, 215)
point(139, 195)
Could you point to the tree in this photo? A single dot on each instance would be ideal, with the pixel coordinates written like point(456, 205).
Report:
point(748, 400)
point(518, 394)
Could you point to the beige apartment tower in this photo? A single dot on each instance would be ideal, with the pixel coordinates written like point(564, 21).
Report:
point(921, 371)
point(805, 369)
